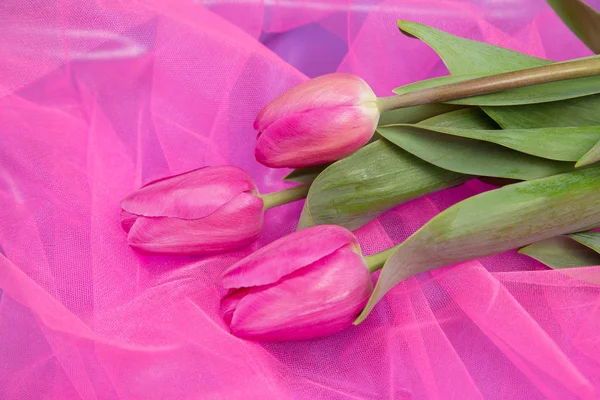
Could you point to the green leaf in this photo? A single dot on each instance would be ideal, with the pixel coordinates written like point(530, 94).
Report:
point(468, 156)
point(588, 239)
point(584, 111)
point(434, 82)
point(466, 57)
point(495, 221)
point(471, 118)
point(380, 176)
point(555, 143)
point(306, 174)
point(412, 115)
point(592, 156)
point(583, 21)
point(561, 252)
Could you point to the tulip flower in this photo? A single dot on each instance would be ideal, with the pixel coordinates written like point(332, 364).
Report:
point(318, 121)
point(309, 284)
point(205, 211)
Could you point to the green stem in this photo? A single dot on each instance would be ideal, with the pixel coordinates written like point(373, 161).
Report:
point(377, 261)
point(579, 68)
point(285, 196)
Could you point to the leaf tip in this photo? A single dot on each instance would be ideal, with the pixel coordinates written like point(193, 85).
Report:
point(363, 315)
point(583, 162)
point(589, 158)
point(306, 220)
point(405, 27)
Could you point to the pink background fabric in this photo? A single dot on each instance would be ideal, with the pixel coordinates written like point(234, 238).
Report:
point(100, 97)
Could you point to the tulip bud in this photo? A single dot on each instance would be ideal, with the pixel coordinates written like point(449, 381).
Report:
point(321, 120)
point(207, 210)
point(309, 284)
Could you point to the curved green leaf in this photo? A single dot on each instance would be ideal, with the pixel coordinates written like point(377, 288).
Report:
point(439, 81)
point(465, 56)
point(555, 143)
point(471, 118)
point(495, 221)
point(468, 59)
point(591, 157)
point(584, 111)
point(581, 19)
point(561, 252)
point(356, 189)
point(588, 239)
point(306, 174)
point(468, 156)
point(412, 115)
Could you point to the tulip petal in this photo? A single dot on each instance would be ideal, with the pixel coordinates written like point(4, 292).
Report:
point(230, 301)
point(286, 255)
point(191, 195)
point(236, 224)
point(329, 90)
point(316, 136)
point(316, 301)
point(127, 220)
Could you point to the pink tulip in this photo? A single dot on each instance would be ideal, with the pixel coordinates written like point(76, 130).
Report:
point(321, 120)
point(309, 284)
point(208, 210)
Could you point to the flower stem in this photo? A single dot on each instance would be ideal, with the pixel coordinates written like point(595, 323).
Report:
point(285, 196)
point(377, 261)
point(579, 68)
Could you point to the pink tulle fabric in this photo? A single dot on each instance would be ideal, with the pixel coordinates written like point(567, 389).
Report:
point(100, 97)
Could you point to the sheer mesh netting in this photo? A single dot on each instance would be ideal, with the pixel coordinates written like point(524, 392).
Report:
point(100, 97)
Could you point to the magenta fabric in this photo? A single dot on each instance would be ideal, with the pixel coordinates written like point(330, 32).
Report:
point(100, 97)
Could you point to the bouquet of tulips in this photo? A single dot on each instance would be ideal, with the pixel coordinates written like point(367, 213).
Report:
point(530, 126)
